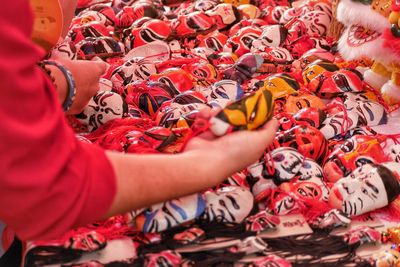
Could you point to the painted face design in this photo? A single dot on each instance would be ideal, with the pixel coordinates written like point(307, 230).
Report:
point(394, 153)
point(249, 11)
point(205, 74)
point(307, 191)
point(88, 242)
point(103, 47)
point(328, 83)
point(176, 79)
point(282, 203)
point(275, 55)
point(310, 116)
point(204, 5)
point(369, 112)
point(294, 103)
point(317, 22)
point(89, 16)
point(189, 97)
point(308, 140)
point(151, 31)
point(274, 35)
point(294, 12)
point(163, 139)
point(64, 49)
point(103, 107)
point(226, 89)
point(224, 58)
point(135, 69)
point(244, 68)
point(214, 41)
point(166, 215)
point(190, 25)
point(261, 222)
point(107, 11)
point(338, 123)
point(332, 219)
point(228, 204)
point(260, 180)
point(353, 153)
point(316, 68)
point(273, 14)
point(281, 85)
point(368, 188)
point(241, 42)
point(169, 115)
point(362, 235)
point(92, 29)
point(311, 171)
point(286, 161)
point(313, 55)
point(148, 96)
point(219, 103)
point(225, 15)
point(249, 113)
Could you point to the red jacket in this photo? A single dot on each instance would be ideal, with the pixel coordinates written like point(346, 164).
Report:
point(49, 182)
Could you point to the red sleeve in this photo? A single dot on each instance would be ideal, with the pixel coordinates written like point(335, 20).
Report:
point(49, 182)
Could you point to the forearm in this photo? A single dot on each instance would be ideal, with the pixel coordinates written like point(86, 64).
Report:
point(143, 180)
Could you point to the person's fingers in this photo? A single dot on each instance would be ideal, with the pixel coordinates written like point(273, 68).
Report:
point(207, 135)
point(256, 140)
point(272, 123)
point(204, 113)
point(99, 66)
point(246, 147)
point(266, 135)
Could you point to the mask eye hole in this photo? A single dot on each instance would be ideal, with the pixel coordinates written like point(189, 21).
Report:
point(279, 158)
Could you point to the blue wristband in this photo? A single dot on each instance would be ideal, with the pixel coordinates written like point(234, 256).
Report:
point(70, 83)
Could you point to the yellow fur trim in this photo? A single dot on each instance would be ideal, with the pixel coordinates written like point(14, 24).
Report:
point(380, 69)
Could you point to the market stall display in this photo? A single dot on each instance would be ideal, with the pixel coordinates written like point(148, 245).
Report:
point(246, 62)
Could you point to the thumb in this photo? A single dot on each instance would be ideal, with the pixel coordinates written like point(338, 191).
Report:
point(100, 65)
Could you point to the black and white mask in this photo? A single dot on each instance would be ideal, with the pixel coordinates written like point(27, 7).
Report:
point(311, 171)
point(273, 36)
point(226, 89)
point(103, 107)
point(135, 69)
point(165, 215)
point(369, 187)
point(287, 162)
point(228, 204)
point(370, 113)
point(394, 153)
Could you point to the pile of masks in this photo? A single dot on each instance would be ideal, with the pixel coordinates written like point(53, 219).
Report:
point(247, 62)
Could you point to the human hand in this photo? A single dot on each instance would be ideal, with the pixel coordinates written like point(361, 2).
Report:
point(232, 152)
point(86, 75)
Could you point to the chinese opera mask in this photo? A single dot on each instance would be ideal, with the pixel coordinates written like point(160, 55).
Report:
point(248, 113)
point(353, 153)
point(368, 188)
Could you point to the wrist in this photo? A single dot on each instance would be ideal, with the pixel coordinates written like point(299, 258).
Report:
point(68, 78)
point(59, 81)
